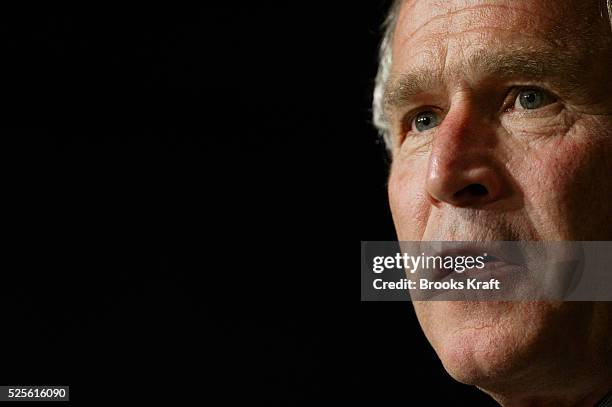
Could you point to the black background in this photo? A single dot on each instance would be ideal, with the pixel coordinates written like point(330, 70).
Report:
point(182, 194)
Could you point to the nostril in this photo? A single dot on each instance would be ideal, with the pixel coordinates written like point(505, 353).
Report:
point(472, 190)
point(477, 189)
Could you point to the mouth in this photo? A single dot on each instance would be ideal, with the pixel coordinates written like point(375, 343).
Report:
point(465, 271)
point(470, 261)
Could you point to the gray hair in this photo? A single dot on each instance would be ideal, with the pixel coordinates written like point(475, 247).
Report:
point(384, 69)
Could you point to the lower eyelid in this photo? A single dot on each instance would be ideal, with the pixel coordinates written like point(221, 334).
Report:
point(547, 111)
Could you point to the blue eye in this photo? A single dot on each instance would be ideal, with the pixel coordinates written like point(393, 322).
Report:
point(425, 121)
point(530, 99)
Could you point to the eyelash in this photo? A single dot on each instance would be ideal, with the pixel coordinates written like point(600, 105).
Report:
point(508, 105)
point(510, 100)
point(408, 121)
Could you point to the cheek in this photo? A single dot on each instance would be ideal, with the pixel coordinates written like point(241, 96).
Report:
point(408, 200)
point(587, 196)
point(568, 185)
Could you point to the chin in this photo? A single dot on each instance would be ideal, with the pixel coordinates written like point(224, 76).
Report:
point(483, 343)
point(480, 356)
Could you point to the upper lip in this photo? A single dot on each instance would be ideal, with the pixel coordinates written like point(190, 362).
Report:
point(490, 254)
point(500, 261)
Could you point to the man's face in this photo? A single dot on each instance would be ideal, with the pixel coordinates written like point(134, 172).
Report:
point(502, 119)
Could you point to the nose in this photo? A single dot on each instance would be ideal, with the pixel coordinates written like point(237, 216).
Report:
point(463, 170)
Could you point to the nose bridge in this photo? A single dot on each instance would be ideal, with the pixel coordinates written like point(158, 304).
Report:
point(462, 169)
point(453, 141)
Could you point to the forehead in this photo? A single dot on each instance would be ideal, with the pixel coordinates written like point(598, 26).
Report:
point(433, 32)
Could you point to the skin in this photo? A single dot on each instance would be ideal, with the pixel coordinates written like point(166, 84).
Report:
point(546, 172)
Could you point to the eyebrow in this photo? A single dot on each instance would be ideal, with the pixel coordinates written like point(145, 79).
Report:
point(558, 68)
